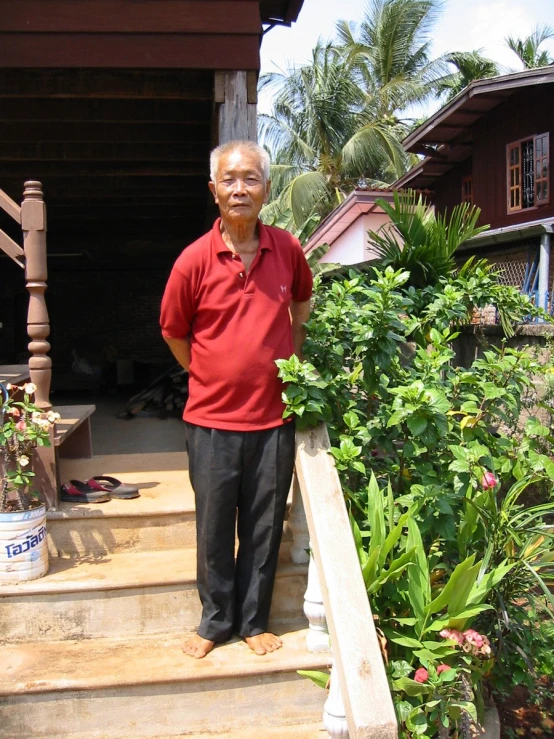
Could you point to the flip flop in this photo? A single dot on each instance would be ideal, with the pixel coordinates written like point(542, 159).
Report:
point(76, 491)
point(113, 487)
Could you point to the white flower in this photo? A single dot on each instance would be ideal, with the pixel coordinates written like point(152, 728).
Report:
point(23, 460)
point(52, 416)
point(30, 388)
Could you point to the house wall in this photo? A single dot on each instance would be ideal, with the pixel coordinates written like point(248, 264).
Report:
point(351, 247)
point(527, 112)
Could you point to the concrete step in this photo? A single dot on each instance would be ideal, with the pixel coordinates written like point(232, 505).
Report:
point(133, 593)
point(149, 688)
point(297, 731)
point(162, 518)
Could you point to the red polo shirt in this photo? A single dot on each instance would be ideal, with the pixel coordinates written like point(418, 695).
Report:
point(238, 324)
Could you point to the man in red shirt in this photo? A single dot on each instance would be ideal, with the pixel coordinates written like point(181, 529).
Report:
point(237, 300)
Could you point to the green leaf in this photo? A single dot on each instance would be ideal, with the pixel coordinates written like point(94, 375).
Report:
point(321, 679)
point(419, 586)
point(443, 599)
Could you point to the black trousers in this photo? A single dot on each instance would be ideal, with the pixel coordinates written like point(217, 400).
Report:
point(242, 478)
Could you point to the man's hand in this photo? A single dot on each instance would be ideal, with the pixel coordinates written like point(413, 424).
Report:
point(180, 348)
point(299, 313)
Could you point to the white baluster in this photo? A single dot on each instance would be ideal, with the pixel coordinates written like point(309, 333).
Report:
point(334, 717)
point(299, 527)
point(317, 639)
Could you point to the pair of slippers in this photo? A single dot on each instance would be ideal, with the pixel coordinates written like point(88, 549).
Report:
point(99, 489)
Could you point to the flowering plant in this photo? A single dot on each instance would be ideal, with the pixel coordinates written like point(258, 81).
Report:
point(23, 426)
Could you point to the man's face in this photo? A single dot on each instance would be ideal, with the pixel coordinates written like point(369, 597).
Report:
point(239, 189)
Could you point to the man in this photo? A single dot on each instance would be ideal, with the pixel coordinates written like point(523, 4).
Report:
point(235, 302)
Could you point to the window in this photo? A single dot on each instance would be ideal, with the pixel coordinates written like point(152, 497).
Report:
point(467, 189)
point(528, 170)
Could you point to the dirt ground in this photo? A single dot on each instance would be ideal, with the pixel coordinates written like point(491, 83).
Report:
point(519, 717)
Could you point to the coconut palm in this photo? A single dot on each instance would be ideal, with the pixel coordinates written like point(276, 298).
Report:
point(389, 51)
point(469, 66)
point(324, 135)
point(527, 49)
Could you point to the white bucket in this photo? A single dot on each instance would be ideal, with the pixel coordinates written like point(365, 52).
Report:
point(23, 545)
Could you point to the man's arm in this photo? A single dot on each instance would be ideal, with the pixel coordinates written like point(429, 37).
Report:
point(180, 349)
point(299, 313)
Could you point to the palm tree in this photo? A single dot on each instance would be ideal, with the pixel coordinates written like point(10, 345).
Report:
point(527, 49)
point(324, 135)
point(469, 67)
point(389, 51)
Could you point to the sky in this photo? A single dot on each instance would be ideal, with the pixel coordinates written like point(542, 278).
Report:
point(464, 25)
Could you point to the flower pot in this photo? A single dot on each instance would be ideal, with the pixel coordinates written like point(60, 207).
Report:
point(23, 545)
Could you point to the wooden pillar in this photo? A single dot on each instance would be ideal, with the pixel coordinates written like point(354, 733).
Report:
point(33, 223)
point(236, 95)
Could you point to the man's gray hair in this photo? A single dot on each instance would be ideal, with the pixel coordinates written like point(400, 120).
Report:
point(229, 146)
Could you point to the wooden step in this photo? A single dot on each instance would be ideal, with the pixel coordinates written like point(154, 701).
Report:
point(131, 593)
point(148, 688)
point(162, 517)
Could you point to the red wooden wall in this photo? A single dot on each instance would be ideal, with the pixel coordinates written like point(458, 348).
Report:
point(527, 112)
point(192, 34)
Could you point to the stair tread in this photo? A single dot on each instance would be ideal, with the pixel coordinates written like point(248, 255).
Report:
point(162, 479)
point(294, 731)
point(123, 570)
point(93, 664)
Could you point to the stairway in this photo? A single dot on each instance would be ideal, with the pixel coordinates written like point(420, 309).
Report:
point(93, 649)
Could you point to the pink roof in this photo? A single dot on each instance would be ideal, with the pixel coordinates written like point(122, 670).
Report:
point(358, 203)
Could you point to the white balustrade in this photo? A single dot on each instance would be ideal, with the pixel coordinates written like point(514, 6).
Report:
point(317, 639)
point(334, 716)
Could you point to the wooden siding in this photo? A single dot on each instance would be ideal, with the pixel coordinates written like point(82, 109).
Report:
point(528, 112)
point(192, 34)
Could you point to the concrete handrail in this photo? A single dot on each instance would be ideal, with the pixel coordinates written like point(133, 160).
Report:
point(358, 663)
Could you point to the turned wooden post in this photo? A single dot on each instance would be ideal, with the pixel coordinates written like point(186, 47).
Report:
point(33, 223)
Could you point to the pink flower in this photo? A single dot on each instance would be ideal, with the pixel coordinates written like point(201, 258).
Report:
point(474, 638)
point(488, 481)
point(442, 668)
point(421, 675)
point(21, 425)
point(453, 634)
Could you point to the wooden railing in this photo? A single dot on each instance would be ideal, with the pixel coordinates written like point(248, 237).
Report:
point(32, 257)
point(359, 705)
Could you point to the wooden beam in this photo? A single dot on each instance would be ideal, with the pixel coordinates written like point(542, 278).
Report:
point(101, 132)
point(10, 207)
point(197, 112)
point(115, 84)
point(102, 169)
point(173, 51)
point(122, 16)
point(190, 152)
point(237, 117)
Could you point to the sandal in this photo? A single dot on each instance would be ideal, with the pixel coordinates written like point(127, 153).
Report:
point(76, 491)
point(113, 487)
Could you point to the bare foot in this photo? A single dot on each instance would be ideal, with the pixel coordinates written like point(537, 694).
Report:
point(263, 643)
point(198, 647)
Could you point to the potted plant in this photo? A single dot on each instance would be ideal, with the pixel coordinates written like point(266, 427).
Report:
point(23, 427)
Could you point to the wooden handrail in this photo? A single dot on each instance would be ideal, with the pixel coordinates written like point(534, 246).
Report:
point(358, 663)
point(10, 206)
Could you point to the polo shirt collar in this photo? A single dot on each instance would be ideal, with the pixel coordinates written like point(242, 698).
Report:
point(220, 247)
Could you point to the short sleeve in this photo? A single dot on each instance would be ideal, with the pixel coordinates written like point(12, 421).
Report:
point(302, 282)
point(177, 306)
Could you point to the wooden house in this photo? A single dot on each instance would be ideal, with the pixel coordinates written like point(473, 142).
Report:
point(490, 146)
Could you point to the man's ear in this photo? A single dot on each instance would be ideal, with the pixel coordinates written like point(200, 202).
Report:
point(211, 185)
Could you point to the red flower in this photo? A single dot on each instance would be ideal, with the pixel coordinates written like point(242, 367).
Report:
point(442, 668)
point(488, 481)
point(421, 675)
